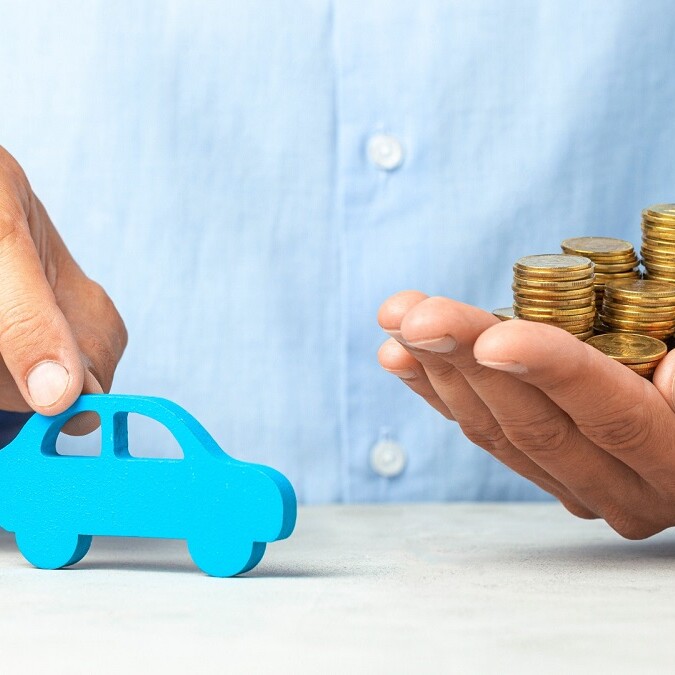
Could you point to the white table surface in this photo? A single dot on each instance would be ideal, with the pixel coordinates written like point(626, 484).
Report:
point(442, 588)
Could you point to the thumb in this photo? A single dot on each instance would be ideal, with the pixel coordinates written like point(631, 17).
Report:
point(36, 341)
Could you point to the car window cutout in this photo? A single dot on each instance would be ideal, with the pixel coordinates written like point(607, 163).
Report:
point(149, 438)
point(80, 445)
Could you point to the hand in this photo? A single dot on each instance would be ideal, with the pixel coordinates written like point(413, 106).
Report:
point(60, 334)
point(583, 427)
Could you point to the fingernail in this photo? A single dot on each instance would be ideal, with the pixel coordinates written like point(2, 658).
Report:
point(441, 345)
point(407, 374)
point(47, 383)
point(506, 366)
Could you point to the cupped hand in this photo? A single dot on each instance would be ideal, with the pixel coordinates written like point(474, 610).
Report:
point(60, 334)
point(583, 427)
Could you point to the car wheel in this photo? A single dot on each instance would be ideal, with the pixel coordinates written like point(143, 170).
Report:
point(51, 549)
point(221, 557)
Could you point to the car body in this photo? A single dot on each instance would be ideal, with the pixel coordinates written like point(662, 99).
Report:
point(226, 509)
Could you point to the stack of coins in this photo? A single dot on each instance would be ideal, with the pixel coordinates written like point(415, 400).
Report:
point(639, 306)
point(504, 313)
point(640, 353)
point(658, 242)
point(556, 289)
point(613, 258)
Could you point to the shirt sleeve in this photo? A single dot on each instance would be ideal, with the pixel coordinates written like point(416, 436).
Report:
point(10, 425)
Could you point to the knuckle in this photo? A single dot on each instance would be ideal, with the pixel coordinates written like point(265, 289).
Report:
point(444, 374)
point(15, 181)
point(20, 326)
point(629, 523)
point(623, 428)
point(487, 435)
point(106, 309)
point(544, 431)
point(577, 509)
point(10, 225)
point(630, 528)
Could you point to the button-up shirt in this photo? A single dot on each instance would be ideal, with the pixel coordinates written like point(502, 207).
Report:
point(250, 180)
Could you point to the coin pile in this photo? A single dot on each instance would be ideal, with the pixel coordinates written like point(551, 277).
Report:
point(640, 353)
point(658, 242)
point(556, 289)
point(643, 306)
point(613, 258)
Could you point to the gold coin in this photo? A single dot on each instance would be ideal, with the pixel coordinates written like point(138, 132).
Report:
point(658, 238)
point(576, 330)
point(597, 247)
point(619, 260)
point(617, 269)
point(553, 293)
point(663, 256)
point(526, 301)
point(579, 326)
point(648, 324)
point(660, 233)
point(663, 268)
point(649, 268)
point(650, 261)
point(647, 373)
point(633, 307)
point(566, 285)
point(571, 326)
point(661, 228)
point(504, 313)
point(629, 347)
point(644, 291)
point(545, 315)
point(556, 311)
point(601, 279)
point(658, 259)
point(657, 245)
point(613, 313)
point(659, 334)
point(519, 277)
point(657, 276)
point(585, 335)
point(637, 304)
point(660, 212)
point(643, 368)
point(552, 264)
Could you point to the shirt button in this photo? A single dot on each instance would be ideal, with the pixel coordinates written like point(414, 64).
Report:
point(385, 152)
point(387, 458)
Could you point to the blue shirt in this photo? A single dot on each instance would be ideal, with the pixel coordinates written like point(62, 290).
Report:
point(207, 163)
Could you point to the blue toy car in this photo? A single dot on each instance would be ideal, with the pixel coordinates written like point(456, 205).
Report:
point(226, 509)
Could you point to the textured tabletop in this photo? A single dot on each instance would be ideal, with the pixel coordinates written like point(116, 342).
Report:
point(377, 589)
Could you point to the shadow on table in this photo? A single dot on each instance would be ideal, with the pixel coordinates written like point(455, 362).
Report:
point(171, 557)
point(619, 552)
point(7, 541)
point(188, 567)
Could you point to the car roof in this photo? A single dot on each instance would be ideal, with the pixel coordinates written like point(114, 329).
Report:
point(108, 406)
